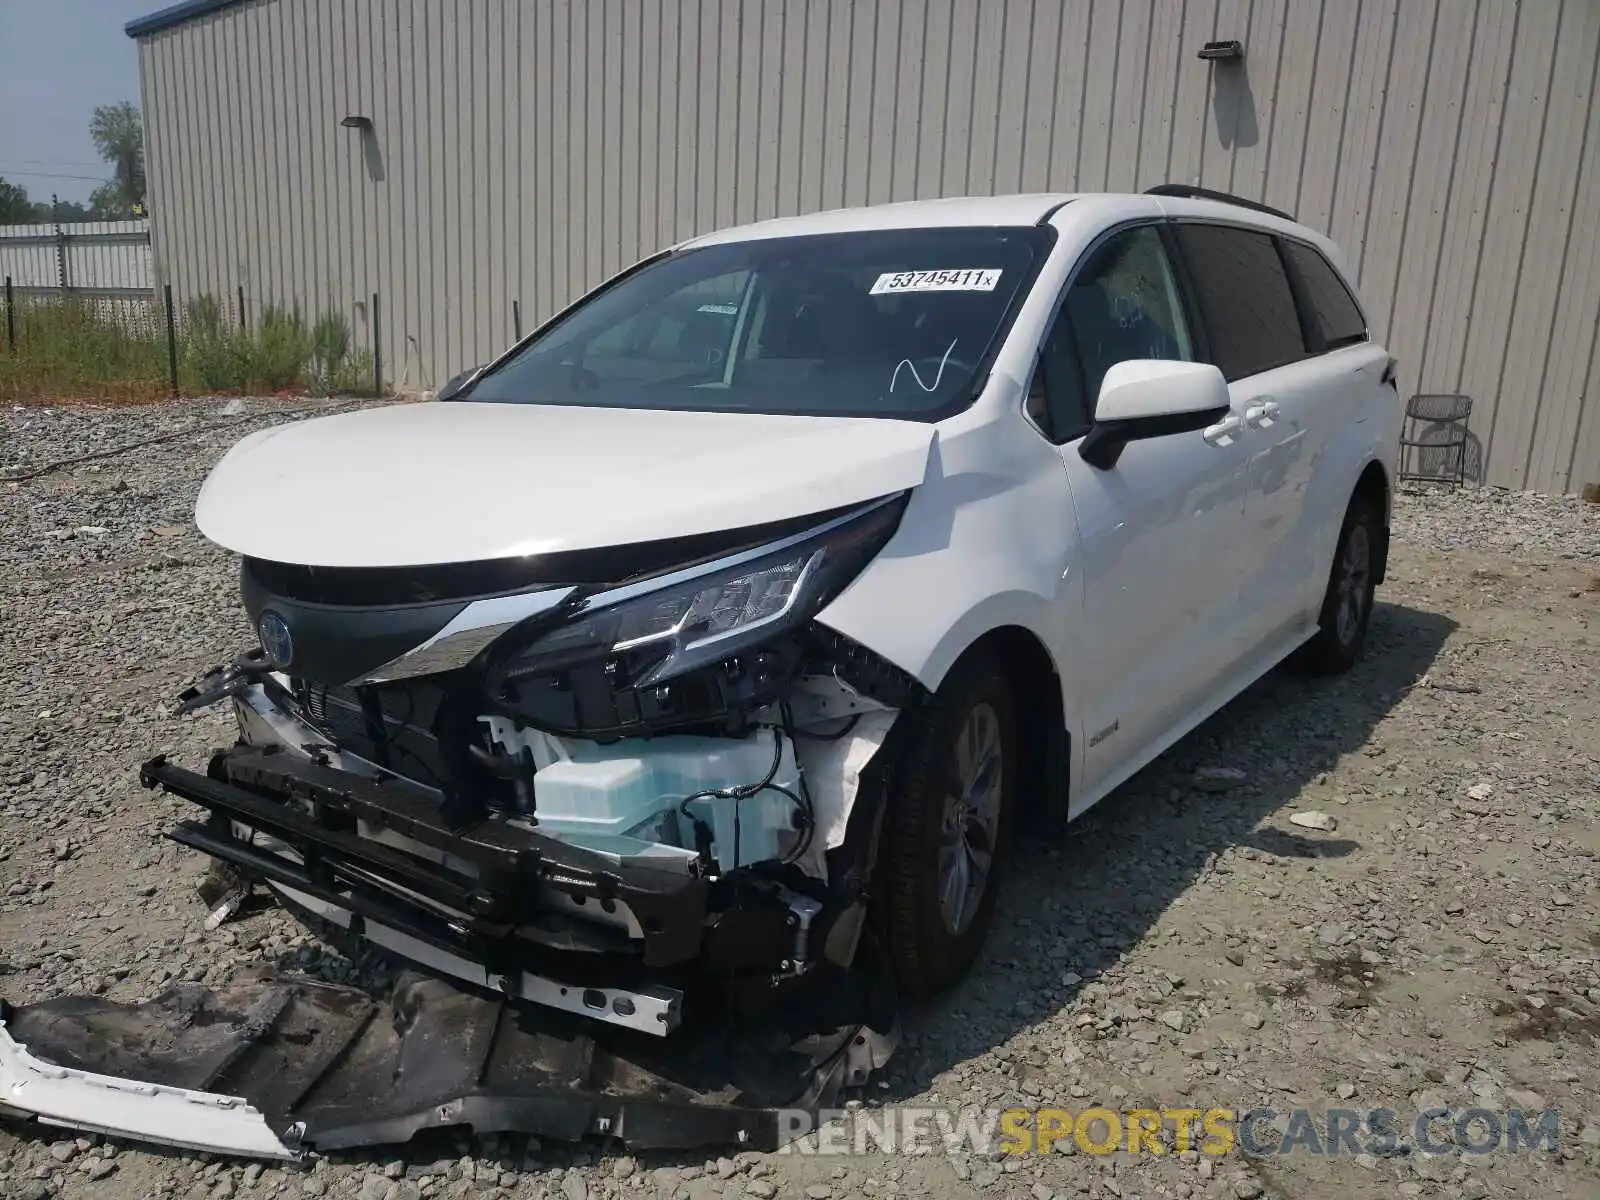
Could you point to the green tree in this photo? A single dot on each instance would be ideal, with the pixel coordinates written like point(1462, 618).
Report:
point(66, 210)
point(106, 204)
point(118, 134)
point(15, 207)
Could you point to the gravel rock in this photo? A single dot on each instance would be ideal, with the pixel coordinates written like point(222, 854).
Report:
point(1314, 819)
point(1185, 944)
point(1497, 520)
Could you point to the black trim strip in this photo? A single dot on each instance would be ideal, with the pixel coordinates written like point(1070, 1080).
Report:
point(1054, 209)
point(1184, 191)
point(608, 566)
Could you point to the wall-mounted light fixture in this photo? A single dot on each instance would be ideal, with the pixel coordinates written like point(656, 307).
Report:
point(357, 122)
point(1222, 50)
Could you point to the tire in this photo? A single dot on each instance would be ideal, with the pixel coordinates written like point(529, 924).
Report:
point(1347, 603)
point(933, 926)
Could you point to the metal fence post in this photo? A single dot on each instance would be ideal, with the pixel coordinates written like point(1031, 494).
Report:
point(172, 339)
point(516, 321)
point(377, 349)
point(11, 318)
point(61, 243)
point(241, 307)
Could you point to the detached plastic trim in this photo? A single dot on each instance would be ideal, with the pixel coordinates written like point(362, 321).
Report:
point(173, 1116)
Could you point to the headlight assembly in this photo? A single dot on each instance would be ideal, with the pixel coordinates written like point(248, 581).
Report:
point(661, 628)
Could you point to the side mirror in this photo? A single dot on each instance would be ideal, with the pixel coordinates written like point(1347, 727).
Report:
point(458, 384)
point(1149, 398)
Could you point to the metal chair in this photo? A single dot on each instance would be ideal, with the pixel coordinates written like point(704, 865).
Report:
point(1435, 434)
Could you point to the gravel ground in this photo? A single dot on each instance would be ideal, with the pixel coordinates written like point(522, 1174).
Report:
point(1189, 944)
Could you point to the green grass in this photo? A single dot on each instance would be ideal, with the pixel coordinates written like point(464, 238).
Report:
point(92, 349)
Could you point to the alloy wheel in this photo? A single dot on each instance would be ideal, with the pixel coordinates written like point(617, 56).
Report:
point(971, 818)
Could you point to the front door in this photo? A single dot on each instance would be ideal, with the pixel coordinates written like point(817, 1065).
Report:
point(1161, 531)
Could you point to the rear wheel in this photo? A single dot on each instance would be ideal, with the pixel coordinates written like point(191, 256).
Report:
point(1347, 603)
point(949, 825)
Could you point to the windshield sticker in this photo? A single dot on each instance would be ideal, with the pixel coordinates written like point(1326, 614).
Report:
point(723, 310)
point(970, 280)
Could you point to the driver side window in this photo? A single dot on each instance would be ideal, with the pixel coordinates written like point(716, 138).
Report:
point(1122, 304)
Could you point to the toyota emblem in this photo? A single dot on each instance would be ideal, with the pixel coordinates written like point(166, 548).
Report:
point(275, 638)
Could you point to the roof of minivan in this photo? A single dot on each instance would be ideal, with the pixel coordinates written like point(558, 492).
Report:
point(904, 214)
point(1001, 211)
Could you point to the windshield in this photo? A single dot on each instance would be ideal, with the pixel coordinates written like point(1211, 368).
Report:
point(887, 323)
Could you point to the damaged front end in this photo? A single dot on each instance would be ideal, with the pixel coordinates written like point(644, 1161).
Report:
point(630, 798)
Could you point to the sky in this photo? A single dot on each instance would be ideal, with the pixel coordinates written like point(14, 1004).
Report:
point(59, 59)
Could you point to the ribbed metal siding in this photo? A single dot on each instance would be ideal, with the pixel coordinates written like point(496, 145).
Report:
point(527, 150)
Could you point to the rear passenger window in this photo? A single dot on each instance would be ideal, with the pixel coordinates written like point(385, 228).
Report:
point(1244, 297)
point(1334, 318)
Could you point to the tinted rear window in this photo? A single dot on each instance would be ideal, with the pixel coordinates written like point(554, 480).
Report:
point(1245, 298)
point(1334, 316)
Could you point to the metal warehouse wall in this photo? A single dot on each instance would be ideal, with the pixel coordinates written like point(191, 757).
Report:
point(524, 151)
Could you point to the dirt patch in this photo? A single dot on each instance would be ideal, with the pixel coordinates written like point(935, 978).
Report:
point(1548, 1016)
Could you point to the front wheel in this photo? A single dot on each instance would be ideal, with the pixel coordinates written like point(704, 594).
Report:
point(948, 829)
point(1347, 603)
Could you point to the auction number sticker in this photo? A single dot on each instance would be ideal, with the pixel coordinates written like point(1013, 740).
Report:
point(970, 280)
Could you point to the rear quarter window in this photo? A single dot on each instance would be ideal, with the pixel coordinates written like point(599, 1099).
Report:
point(1335, 318)
point(1245, 298)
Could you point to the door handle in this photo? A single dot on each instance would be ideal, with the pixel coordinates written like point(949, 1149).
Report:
point(1262, 413)
point(1223, 432)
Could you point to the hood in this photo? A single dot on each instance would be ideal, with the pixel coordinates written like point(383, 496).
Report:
point(436, 483)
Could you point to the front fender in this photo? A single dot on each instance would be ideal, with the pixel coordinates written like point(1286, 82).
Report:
point(929, 654)
point(987, 541)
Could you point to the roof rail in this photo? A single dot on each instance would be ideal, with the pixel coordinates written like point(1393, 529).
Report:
point(1190, 192)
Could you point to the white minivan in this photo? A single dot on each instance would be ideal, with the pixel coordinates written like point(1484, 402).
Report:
point(698, 656)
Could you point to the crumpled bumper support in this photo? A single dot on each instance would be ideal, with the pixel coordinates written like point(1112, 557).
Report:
point(509, 863)
point(280, 1067)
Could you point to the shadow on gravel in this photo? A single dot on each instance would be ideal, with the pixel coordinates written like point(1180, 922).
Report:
point(1094, 895)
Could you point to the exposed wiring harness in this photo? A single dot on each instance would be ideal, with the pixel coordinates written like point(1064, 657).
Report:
point(743, 792)
point(808, 810)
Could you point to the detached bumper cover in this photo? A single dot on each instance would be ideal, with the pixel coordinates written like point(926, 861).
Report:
point(277, 1068)
point(88, 1100)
